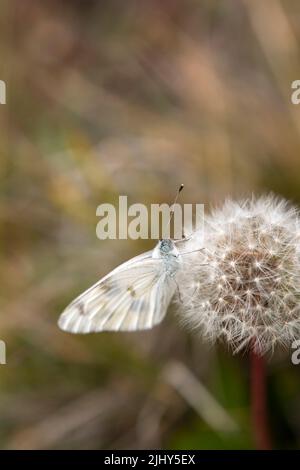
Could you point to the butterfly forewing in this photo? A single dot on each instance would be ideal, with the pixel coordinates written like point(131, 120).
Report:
point(134, 296)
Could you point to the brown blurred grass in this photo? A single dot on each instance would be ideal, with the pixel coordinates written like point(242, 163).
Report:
point(109, 98)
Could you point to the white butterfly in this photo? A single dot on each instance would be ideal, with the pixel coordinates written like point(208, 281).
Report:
point(134, 296)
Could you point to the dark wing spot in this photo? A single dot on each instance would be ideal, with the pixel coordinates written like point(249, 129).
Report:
point(81, 308)
point(106, 288)
point(111, 288)
point(132, 291)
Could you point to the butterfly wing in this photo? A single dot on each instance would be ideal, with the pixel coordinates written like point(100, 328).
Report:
point(134, 296)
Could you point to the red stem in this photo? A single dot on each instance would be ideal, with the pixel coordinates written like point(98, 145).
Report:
point(259, 402)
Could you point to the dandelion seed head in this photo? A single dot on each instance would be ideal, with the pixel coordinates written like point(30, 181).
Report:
point(248, 275)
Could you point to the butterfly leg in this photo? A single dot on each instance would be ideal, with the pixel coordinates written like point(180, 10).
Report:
point(178, 289)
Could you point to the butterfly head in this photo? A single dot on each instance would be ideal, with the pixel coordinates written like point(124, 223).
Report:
point(166, 246)
point(166, 249)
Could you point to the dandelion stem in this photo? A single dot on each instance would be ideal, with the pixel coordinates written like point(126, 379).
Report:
point(259, 402)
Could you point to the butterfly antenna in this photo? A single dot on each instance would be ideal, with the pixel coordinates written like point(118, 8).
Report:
point(175, 200)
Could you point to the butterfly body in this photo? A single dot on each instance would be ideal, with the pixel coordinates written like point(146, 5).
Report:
point(134, 296)
point(170, 256)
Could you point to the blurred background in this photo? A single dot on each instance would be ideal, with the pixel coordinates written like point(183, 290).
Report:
point(107, 98)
